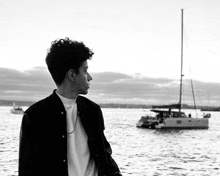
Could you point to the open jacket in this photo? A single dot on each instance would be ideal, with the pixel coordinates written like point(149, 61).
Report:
point(43, 138)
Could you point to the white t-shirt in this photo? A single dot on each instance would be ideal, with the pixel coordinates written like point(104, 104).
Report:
point(79, 161)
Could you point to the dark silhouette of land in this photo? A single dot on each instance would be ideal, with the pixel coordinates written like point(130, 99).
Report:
point(113, 105)
point(11, 102)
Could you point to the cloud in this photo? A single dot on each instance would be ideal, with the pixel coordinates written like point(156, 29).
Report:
point(127, 88)
point(109, 87)
point(29, 85)
point(122, 88)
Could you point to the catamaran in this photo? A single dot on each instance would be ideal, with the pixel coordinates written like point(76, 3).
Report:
point(168, 118)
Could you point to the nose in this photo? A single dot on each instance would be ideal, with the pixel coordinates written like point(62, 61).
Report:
point(89, 77)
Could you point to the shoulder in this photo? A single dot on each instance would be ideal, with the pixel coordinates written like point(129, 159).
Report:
point(52, 102)
point(36, 109)
point(85, 102)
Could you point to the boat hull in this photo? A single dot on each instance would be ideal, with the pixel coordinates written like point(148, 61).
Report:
point(13, 111)
point(175, 123)
point(184, 123)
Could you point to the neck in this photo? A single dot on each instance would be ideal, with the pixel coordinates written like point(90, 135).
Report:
point(67, 93)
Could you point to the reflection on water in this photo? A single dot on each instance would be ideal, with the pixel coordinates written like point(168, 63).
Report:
point(9, 133)
point(137, 151)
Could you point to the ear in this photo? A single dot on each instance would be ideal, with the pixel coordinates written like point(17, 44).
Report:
point(71, 74)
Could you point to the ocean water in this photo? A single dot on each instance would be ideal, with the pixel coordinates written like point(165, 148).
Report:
point(138, 152)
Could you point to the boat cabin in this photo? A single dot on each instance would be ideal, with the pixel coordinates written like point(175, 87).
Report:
point(169, 114)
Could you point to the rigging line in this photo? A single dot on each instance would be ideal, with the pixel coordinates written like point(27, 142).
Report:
point(193, 92)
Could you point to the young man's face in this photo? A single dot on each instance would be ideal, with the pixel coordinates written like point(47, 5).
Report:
point(82, 79)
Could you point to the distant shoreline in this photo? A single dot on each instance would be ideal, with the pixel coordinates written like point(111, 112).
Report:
point(112, 105)
point(11, 102)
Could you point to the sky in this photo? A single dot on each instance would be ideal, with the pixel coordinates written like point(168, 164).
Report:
point(136, 39)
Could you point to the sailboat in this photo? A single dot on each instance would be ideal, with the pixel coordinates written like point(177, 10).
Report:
point(166, 117)
point(17, 109)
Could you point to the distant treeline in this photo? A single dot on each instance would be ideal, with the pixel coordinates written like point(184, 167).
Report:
point(141, 106)
point(113, 105)
point(20, 103)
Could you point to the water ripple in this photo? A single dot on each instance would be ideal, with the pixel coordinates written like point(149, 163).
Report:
point(138, 152)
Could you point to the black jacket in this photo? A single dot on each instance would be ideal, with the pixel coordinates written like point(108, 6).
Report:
point(43, 138)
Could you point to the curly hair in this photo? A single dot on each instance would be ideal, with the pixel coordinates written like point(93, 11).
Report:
point(66, 54)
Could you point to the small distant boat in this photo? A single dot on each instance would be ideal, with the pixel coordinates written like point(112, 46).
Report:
point(208, 115)
point(17, 109)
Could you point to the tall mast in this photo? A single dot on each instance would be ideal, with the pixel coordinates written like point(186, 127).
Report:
point(181, 73)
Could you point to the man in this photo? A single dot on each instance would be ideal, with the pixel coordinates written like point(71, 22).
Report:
point(63, 134)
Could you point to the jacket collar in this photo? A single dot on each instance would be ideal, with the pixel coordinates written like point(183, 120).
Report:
point(56, 101)
point(81, 104)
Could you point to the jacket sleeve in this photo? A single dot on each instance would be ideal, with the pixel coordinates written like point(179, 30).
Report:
point(112, 169)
